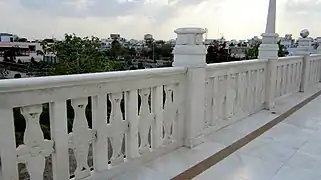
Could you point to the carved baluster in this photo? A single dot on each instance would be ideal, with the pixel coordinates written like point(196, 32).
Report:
point(214, 102)
point(245, 105)
point(145, 121)
point(169, 113)
point(35, 147)
point(231, 96)
point(292, 77)
point(220, 98)
point(117, 128)
point(278, 80)
point(284, 73)
point(208, 101)
point(240, 95)
point(261, 92)
point(81, 137)
point(253, 98)
point(228, 107)
point(299, 74)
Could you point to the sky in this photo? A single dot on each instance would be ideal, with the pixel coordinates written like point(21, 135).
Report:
point(233, 19)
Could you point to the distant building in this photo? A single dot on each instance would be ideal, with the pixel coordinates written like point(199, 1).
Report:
point(115, 36)
point(23, 49)
point(148, 37)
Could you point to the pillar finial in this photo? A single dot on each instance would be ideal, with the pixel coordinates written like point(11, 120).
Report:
point(271, 17)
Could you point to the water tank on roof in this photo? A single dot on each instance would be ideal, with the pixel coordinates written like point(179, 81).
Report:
point(148, 37)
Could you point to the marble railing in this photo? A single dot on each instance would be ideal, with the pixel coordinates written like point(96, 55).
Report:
point(97, 126)
point(288, 75)
point(140, 124)
point(234, 90)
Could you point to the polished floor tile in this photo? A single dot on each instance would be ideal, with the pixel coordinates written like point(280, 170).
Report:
point(143, 173)
point(225, 136)
point(240, 166)
point(305, 161)
point(269, 150)
point(288, 173)
point(184, 158)
point(284, 133)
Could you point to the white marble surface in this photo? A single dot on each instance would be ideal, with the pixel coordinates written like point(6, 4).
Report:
point(289, 151)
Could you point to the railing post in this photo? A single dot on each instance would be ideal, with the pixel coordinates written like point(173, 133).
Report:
point(190, 52)
point(269, 50)
point(303, 50)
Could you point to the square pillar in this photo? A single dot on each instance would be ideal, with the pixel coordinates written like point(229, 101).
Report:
point(190, 52)
point(269, 50)
point(303, 49)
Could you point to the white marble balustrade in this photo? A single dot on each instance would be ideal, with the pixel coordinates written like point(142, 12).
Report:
point(103, 124)
point(234, 90)
point(288, 75)
point(142, 122)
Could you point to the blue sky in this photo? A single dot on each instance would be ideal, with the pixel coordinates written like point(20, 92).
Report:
point(235, 19)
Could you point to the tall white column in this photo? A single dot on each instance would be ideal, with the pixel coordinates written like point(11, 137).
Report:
point(269, 50)
point(303, 49)
point(190, 52)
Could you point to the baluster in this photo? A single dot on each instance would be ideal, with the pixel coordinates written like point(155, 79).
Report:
point(225, 82)
point(298, 78)
point(157, 109)
point(131, 111)
point(214, 102)
point(316, 75)
point(253, 91)
point(258, 92)
point(145, 121)
point(35, 148)
point(288, 79)
point(117, 128)
point(99, 123)
point(169, 114)
point(8, 151)
point(294, 72)
point(237, 95)
point(59, 134)
point(283, 87)
point(248, 93)
point(229, 97)
point(232, 100)
point(208, 102)
point(278, 82)
point(262, 87)
point(241, 94)
point(81, 137)
point(178, 124)
point(220, 98)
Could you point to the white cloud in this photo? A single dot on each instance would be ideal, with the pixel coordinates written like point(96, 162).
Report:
point(133, 18)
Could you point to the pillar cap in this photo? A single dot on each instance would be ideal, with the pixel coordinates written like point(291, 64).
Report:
point(190, 30)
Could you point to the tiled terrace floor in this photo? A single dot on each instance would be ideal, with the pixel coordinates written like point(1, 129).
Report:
point(289, 151)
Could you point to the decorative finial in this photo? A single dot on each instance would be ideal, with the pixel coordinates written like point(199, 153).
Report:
point(304, 33)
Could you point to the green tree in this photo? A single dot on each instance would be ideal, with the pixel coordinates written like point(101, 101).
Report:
point(76, 55)
point(282, 49)
point(3, 71)
point(116, 49)
point(253, 52)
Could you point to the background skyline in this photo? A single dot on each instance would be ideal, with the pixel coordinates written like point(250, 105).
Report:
point(235, 19)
